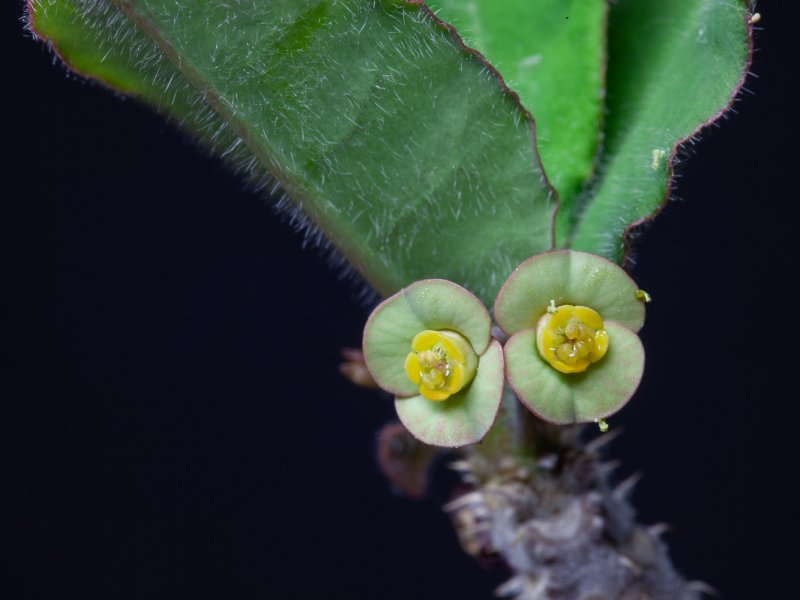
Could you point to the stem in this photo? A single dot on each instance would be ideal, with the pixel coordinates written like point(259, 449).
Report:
point(541, 500)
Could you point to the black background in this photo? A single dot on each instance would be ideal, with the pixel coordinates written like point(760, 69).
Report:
point(172, 424)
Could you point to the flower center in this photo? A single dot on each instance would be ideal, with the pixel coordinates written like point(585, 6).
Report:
point(441, 363)
point(571, 338)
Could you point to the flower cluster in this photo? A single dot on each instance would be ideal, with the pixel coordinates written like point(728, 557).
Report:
point(573, 354)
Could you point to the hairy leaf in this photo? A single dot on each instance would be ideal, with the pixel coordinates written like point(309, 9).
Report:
point(673, 68)
point(399, 143)
point(95, 40)
point(403, 147)
point(80, 36)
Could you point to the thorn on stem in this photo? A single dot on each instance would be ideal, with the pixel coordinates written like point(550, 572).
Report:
point(703, 588)
point(659, 529)
point(624, 489)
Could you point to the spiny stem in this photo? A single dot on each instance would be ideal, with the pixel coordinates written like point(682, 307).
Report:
point(543, 503)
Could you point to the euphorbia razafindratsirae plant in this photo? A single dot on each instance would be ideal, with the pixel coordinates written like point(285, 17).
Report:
point(481, 165)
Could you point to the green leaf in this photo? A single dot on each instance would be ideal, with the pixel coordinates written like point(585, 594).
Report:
point(673, 68)
point(567, 277)
point(600, 391)
point(429, 304)
point(398, 143)
point(464, 418)
point(552, 53)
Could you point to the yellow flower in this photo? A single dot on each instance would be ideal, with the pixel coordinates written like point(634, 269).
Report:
point(441, 363)
point(571, 338)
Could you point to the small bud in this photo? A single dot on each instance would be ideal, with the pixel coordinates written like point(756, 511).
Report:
point(404, 460)
point(657, 155)
point(354, 369)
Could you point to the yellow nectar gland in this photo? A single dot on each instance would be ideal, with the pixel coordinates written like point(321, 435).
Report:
point(571, 338)
point(441, 363)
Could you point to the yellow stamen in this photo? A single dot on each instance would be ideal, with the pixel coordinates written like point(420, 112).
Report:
point(441, 363)
point(571, 338)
